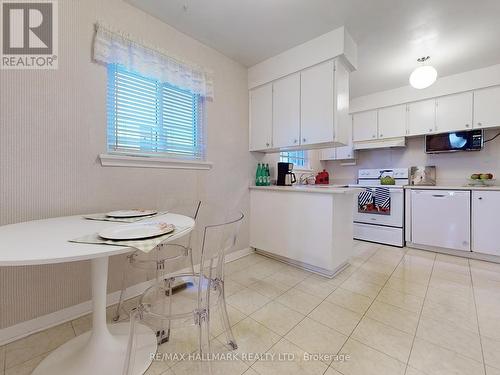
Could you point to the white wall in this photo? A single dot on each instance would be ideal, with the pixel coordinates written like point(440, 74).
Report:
point(53, 126)
point(452, 168)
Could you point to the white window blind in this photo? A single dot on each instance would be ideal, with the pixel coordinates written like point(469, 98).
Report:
point(149, 117)
point(298, 158)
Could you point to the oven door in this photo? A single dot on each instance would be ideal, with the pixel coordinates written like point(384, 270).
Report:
point(393, 216)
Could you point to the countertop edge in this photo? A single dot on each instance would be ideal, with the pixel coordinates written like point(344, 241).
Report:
point(304, 189)
point(451, 187)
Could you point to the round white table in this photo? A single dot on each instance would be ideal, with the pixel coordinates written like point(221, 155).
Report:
point(102, 350)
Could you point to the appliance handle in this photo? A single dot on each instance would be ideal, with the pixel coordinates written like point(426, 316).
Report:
point(439, 195)
point(294, 180)
point(382, 171)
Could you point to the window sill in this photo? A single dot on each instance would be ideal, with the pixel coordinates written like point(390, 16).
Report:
point(114, 160)
point(303, 170)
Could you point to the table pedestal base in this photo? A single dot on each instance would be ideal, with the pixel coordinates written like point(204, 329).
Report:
point(103, 350)
point(80, 357)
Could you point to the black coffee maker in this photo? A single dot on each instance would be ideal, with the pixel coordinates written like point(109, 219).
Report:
point(286, 177)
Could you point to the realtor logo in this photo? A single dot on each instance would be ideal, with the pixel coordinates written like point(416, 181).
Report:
point(29, 34)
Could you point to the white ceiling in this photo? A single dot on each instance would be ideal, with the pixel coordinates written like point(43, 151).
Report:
point(459, 35)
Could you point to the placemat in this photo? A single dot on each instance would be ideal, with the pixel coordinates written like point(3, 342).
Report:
point(103, 217)
point(145, 245)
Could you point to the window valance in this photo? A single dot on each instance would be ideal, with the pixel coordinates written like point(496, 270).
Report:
point(112, 47)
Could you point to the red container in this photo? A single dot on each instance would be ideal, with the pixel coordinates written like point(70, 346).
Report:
point(322, 178)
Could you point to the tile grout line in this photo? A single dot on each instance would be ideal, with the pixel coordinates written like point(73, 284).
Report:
point(307, 316)
point(373, 301)
point(477, 316)
point(420, 315)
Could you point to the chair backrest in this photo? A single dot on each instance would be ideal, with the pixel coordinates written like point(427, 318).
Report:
point(189, 208)
point(219, 232)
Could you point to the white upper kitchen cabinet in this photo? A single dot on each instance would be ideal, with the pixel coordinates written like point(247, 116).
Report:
point(487, 108)
point(345, 153)
point(328, 154)
point(317, 104)
point(261, 118)
point(286, 111)
point(421, 117)
point(454, 112)
point(364, 126)
point(392, 122)
point(485, 209)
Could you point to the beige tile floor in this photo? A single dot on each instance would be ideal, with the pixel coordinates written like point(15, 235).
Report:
point(393, 311)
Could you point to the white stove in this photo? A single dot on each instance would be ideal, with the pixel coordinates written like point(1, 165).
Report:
point(379, 209)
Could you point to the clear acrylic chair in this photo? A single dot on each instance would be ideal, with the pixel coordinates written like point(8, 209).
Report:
point(159, 307)
point(163, 254)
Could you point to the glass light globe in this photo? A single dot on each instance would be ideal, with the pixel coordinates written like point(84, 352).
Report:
point(423, 77)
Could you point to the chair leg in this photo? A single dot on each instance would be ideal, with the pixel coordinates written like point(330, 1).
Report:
point(190, 250)
point(128, 366)
point(165, 336)
point(225, 321)
point(116, 317)
point(203, 322)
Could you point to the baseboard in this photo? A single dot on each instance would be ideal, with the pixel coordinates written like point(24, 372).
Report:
point(44, 322)
point(458, 253)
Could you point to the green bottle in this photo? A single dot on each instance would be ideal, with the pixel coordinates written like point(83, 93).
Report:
point(258, 175)
point(268, 176)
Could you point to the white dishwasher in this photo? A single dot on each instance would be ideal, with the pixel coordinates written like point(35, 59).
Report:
point(441, 218)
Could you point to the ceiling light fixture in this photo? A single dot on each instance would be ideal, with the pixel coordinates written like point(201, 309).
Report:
point(424, 75)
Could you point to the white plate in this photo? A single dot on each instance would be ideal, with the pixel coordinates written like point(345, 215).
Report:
point(136, 231)
point(131, 213)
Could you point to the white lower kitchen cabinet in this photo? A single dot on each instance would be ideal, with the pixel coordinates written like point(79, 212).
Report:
point(485, 211)
point(441, 218)
point(313, 230)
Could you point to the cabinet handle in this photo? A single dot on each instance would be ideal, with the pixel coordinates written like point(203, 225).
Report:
point(373, 136)
point(381, 135)
point(267, 144)
point(467, 125)
point(430, 130)
point(480, 198)
point(295, 141)
point(439, 195)
point(303, 139)
point(479, 124)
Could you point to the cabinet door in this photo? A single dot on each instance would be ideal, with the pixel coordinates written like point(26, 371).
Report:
point(454, 112)
point(317, 90)
point(344, 152)
point(286, 111)
point(421, 117)
point(392, 122)
point(487, 108)
point(261, 118)
point(485, 211)
point(364, 126)
point(441, 218)
point(328, 154)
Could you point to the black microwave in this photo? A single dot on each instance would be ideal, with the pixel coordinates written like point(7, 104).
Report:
point(471, 140)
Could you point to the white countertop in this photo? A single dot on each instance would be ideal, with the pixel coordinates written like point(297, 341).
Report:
point(322, 189)
point(454, 187)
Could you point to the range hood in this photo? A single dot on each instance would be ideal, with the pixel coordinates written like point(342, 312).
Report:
point(380, 143)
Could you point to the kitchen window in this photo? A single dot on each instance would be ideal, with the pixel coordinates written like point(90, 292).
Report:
point(152, 118)
point(300, 159)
